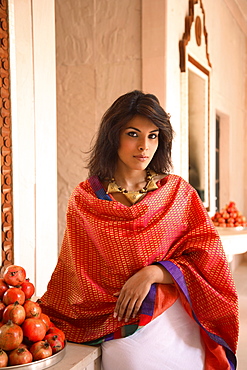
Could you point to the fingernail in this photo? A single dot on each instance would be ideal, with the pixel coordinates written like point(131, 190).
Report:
point(114, 315)
point(126, 320)
point(119, 319)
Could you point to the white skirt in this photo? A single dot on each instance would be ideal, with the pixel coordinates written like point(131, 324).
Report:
point(170, 342)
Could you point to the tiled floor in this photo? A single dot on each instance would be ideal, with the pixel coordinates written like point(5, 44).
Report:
point(240, 277)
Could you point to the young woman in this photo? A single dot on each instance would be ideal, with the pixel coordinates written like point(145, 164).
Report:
point(142, 269)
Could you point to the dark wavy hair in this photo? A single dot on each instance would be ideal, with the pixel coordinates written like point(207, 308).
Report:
point(104, 153)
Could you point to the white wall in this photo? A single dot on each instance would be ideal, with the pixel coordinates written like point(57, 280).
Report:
point(227, 50)
point(229, 90)
point(33, 101)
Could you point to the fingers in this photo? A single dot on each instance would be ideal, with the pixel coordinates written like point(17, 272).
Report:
point(132, 294)
point(127, 308)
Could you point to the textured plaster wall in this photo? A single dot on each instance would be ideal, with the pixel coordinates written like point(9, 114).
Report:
point(98, 47)
point(108, 47)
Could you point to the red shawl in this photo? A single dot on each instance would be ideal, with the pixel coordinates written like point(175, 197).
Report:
point(106, 242)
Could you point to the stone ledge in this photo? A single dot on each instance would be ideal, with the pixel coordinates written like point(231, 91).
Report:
point(79, 357)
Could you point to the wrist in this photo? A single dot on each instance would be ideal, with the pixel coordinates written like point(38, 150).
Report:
point(158, 274)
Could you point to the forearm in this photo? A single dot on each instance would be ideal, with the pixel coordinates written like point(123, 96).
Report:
point(136, 289)
point(157, 274)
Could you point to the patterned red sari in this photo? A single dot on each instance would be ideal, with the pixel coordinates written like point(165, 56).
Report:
point(106, 242)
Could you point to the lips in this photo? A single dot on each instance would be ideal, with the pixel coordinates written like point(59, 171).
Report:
point(141, 157)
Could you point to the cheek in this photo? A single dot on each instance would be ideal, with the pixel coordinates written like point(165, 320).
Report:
point(125, 145)
point(154, 146)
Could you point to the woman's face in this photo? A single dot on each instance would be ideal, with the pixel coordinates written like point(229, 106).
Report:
point(138, 143)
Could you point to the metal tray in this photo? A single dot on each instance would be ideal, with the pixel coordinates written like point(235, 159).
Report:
point(41, 364)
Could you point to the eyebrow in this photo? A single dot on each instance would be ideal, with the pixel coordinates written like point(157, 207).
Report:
point(134, 128)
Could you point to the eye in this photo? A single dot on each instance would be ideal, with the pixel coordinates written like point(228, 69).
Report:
point(132, 133)
point(153, 136)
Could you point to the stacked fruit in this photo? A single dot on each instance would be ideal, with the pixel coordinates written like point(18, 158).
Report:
point(26, 333)
point(229, 217)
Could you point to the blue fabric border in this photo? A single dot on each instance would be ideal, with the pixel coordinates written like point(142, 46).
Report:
point(148, 303)
point(98, 188)
point(179, 278)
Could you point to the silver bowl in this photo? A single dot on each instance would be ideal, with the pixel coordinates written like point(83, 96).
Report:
point(41, 364)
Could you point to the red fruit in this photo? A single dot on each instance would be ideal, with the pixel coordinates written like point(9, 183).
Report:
point(3, 358)
point(238, 219)
point(14, 275)
point(14, 312)
point(45, 318)
point(11, 336)
point(221, 220)
point(20, 356)
point(221, 224)
point(32, 309)
point(52, 325)
point(2, 308)
point(40, 350)
point(225, 215)
point(23, 345)
point(28, 288)
point(55, 331)
point(33, 329)
point(55, 342)
point(3, 287)
point(13, 295)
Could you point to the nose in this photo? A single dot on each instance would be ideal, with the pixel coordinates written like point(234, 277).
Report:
point(143, 145)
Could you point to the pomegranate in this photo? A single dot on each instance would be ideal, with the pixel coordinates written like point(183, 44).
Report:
point(12, 295)
point(40, 350)
point(3, 358)
point(32, 309)
point(3, 287)
point(55, 331)
point(34, 330)
point(14, 312)
point(28, 288)
point(20, 356)
point(55, 342)
point(45, 318)
point(14, 275)
point(11, 336)
point(2, 308)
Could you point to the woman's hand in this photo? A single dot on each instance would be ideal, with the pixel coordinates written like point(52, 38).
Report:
point(136, 289)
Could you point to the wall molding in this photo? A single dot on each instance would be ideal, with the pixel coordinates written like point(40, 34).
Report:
point(200, 30)
point(5, 142)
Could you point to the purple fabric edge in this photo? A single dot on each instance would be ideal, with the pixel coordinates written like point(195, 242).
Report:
point(179, 278)
point(148, 303)
point(147, 307)
point(98, 188)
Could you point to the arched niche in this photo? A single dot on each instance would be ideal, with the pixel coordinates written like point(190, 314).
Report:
point(195, 70)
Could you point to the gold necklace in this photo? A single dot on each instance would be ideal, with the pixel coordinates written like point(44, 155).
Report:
point(133, 196)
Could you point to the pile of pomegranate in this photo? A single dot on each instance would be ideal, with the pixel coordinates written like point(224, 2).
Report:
point(26, 333)
point(229, 217)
